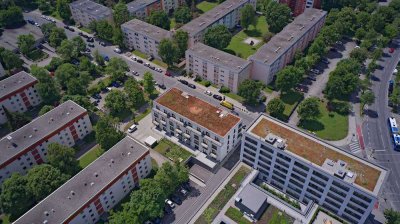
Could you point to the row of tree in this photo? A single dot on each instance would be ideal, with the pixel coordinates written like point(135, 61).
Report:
point(172, 50)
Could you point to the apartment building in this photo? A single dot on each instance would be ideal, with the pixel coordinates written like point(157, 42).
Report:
point(307, 168)
point(227, 13)
point(196, 123)
point(143, 37)
point(86, 11)
point(18, 93)
point(142, 8)
point(281, 49)
point(27, 146)
point(96, 189)
point(298, 6)
point(220, 68)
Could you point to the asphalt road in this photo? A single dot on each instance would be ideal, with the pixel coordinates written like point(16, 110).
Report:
point(376, 134)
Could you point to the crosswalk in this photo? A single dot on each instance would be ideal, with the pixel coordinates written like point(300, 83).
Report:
point(354, 147)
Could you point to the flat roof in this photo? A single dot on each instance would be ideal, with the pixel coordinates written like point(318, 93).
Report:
point(213, 55)
point(81, 189)
point(252, 198)
point(139, 4)
point(198, 111)
point(154, 32)
point(283, 40)
point(93, 8)
point(9, 38)
point(312, 149)
point(14, 83)
point(16, 142)
point(210, 17)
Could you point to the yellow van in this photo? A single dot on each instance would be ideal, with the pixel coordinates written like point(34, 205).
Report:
point(227, 104)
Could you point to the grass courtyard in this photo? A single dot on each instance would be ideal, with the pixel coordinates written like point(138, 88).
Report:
point(274, 216)
point(172, 151)
point(290, 99)
point(329, 126)
point(205, 6)
point(90, 156)
point(241, 49)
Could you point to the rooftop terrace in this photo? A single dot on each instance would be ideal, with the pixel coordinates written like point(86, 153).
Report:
point(283, 40)
point(154, 32)
point(216, 56)
point(15, 83)
point(93, 8)
point(312, 149)
point(198, 111)
point(80, 190)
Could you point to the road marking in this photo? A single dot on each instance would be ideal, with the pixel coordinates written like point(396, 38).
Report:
point(354, 147)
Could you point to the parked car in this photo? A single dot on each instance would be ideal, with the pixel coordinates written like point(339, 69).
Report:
point(314, 70)
point(176, 200)
point(312, 77)
point(90, 40)
point(116, 84)
point(158, 70)
point(193, 86)
point(31, 22)
point(169, 203)
point(162, 86)
point(90, 45)
point(102, 43)
point(391, 50)
point(151, 58)
point(152, 67)
point(134, 58)
point(140, 61)
point(325, 61)
point(146, 64)
point(183, 192)
point(37, 24)
point(96, 96)
point(184, 82)
point(132, 128)
point(339, 42)
point(135, 73)
point(208, 92)
point(168, 210)
point(117, 50)
point(218, 97)
point(168, 74)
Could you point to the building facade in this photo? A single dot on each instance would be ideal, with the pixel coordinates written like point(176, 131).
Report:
point(306, 168)
point(282, 47)
point(298, 6)
point(18, 93)
point(86, 11)
point(97, 188)
point(142, 8)
point(27, 146)
point(220, 68)
point(227, 13)
point(143, 37)
point(196, 123)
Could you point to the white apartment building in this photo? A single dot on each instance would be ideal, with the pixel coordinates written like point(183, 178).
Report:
point(86, 11)
point(227, 13)
point(282, 47)
point(306, 168)
point(27, 146)
point(143, 37)
point(196, 123)
point(142, 8)
point(217, 66)
point(96, 189)
point(18, 94)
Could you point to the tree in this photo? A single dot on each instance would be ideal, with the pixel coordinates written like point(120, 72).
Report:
point(67, 50)
point(87, 65)
point(121, 13)
point(83, 101)
point(183, 15)
point(43, 180)
point(45, 109)
point(159, 18)
point(11, 17)
point(47, 28)
point(47, 88)
point(250, 90)
point(15, 120)
point(181, 39)
point(79, 44)
point(57, 35)
point(10, 60)
point(115, 101)
point(288, 78)
point(248, 16)
point(75, 86)
point(275, 107)
point(44, 6)
point(54, 64)
point(318, 47)
point(277, 16)
point(391, 31)
point(118, 37)
point(392, 216)
point(26, 43)
point(63, 158)
point(134, 93)
point(360, 54)
point(309, 109)
point(65, 73)
point(63, 9)
point(104, 30)
point(98, 58)
point(168, 51)
point(14, 198)
point(107, 132)
point(117, 68)
point(367, 98)
point(218, 37)
point(148, 83)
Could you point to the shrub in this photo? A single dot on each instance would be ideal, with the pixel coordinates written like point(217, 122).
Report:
point(339, 107)
point(267, 36)
point(224, 89)
point(207, 83)
point(197, 79)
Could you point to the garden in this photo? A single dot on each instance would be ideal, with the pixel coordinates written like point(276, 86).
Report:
point(172, 151)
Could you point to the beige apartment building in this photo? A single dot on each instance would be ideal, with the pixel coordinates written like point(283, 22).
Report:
point(86, 11)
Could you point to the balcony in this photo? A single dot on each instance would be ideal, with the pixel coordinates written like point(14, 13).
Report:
point(204, 145)
point(194, 130)
point(213, 140)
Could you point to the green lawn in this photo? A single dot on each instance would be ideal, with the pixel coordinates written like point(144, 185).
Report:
point(223, 196)
point(5, 219)
point(236, 215)
point(139, 54)
point(204, 82)
point(172, 151)
point(290, 99)
point(87, 30)
point(330, 126)
point(160, 63)
point(205, 6)
point(239, 48)
point(235, 97)
point(172, 25)
point(274, 216)
point(90, 156)
point(37, 55)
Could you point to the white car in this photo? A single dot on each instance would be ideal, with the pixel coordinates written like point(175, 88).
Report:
point(135, 73)
point(158, 69)
point(117, 50)
point(147, 64)
point(169, 203)
point(208, 92)
point(109, 88)
point(395, 71)
point(134, 58)
point(37, 24)
point(132, 128)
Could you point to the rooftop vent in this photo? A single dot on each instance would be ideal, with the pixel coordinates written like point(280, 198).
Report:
point(330, 163)
point(350, 174)
point(340, 173)
point(280, 143)
point(96, 175)
point(9, 137)
point(91, 184)
point(46, 213)
point(302, 27)
point(277, 49)
point(271, 138)
point(72, 193)
point(45, 222)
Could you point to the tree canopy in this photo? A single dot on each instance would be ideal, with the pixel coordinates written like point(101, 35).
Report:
point(148, 83)
point(309, 109)
point(15, 120)
point(218, 37)
point(63, 158)
point(47, 87)
point(121, 13)
point(116, 68)
point(392, 216)
point(168, 51)
point(107, 132)
point(183, 15)
point(248, 16)
point(45, 109)
point(63, 9)
point(57, 35)
point(11, 17)
point(250, 90)
point(275, 107)
point(135, 95)
point(277, 16)
point(10, 60)
point(159, 18)
point(288, 78)
point(115, 101)
point(181, 39)
point(26, 43)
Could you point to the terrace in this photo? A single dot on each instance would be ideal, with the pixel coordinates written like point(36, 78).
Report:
point(198, 111)
point(368, 175)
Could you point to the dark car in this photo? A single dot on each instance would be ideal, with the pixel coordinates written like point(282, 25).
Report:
point(162, 86)
point(325, 61)
point(71, 29)
point(151, 58)
point(106, 58)
point(90, 39)
point(90, 45)
point(186, 186)
point(96, 96)
point(312, 77)
point(152, 67)
point(31, 22)
point(193, 86)
point(80, 33)
point(218, 97)
point(184, 82)
point(116, 84)
point(176, 200)
point(168, 210)
point(140, 61)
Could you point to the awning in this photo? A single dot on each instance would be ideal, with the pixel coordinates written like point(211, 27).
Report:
point(156, 123)
point(179, 131)
point(163, 122)
point(186, 135)
point(204, 145)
